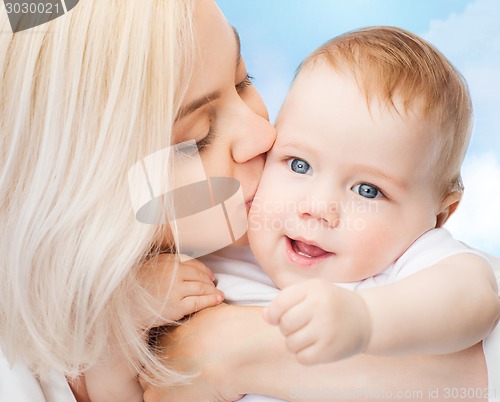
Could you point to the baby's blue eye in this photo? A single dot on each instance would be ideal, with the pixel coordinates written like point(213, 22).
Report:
point(299, 166)
point(367, 190)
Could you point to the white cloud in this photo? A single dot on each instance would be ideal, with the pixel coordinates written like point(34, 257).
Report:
point(477, 220)
point(471, 40)
point(468, 30)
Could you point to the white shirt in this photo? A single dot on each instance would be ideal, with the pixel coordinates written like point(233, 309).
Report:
point(18, 384)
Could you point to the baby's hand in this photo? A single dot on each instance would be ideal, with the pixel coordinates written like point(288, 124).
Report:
point(180, 288)
point(321, 322)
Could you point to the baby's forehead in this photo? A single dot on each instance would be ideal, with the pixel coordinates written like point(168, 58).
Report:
point(373, 85)
point(354, 112)
point(368, 86)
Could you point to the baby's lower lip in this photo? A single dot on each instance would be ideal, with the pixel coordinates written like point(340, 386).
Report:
point(300, 259)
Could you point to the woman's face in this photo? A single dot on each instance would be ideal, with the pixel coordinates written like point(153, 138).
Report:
point(222, 110)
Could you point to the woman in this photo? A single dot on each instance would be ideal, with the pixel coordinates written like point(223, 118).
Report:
point(83, 98)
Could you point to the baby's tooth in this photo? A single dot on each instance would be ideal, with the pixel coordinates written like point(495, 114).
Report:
point(305, 255)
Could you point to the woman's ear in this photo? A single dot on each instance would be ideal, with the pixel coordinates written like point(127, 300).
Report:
point(447, 207)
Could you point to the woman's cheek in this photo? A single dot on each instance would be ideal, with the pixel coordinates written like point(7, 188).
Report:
point(213, 163)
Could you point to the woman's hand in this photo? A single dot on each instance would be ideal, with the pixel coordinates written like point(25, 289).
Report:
point(321, 322)
point(179, 288)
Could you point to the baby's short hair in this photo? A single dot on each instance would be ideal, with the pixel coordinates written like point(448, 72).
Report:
point(389, 62)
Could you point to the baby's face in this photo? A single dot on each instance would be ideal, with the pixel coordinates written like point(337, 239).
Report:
point(346, 188)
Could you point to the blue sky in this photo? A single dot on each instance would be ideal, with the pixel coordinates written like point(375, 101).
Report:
point(277, 34)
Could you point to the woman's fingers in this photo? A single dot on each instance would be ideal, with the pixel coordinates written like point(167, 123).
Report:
point(180, 288)
point(199, 265)
point(199, 289)
point(195, 273)
point(190, 297)
point(197, 303)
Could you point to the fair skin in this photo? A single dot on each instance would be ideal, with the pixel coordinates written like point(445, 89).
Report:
point(243, 135)
point(189, 287)
point(273, 370)
point(340, 180)
point(219, 342)
point(345, 191)
point(226, 116)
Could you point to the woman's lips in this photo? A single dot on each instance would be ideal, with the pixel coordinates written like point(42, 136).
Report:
point(305, 254)
point(249, 201)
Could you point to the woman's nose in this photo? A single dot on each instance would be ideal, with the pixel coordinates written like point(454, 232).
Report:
point(324, 211)
point(254, 133)
point(256, 143)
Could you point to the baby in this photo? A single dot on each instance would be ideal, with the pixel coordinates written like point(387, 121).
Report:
point(364, 172)
point(348, 217)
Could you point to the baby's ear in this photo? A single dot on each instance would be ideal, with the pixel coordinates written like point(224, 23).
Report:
point(448, 206)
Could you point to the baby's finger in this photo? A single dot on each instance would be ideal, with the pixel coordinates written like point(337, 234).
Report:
point(285, 300)
point(192, 304)
point(299, 341)
point(295, 319)
point(310, 355)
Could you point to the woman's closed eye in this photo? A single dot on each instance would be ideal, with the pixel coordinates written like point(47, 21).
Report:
point(189, 149)
point(367, 190)
point(206, 141)
point(299, 166)
point(247, 81)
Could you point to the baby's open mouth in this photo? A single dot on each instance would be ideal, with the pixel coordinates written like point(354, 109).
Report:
point(307, 250)
point(304, 254)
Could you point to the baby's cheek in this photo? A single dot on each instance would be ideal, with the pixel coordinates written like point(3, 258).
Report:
point(383, 248)
point(254, 218)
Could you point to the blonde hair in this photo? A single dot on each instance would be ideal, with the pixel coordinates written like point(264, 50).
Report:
point(389, 62)
point(82, 99)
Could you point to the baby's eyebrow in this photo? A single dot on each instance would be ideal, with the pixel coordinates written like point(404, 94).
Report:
point(288, 143)
point(296, 145)
point(387, 176)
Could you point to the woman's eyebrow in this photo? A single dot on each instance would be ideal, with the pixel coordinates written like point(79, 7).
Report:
point(197, 104)
point(202, 101)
